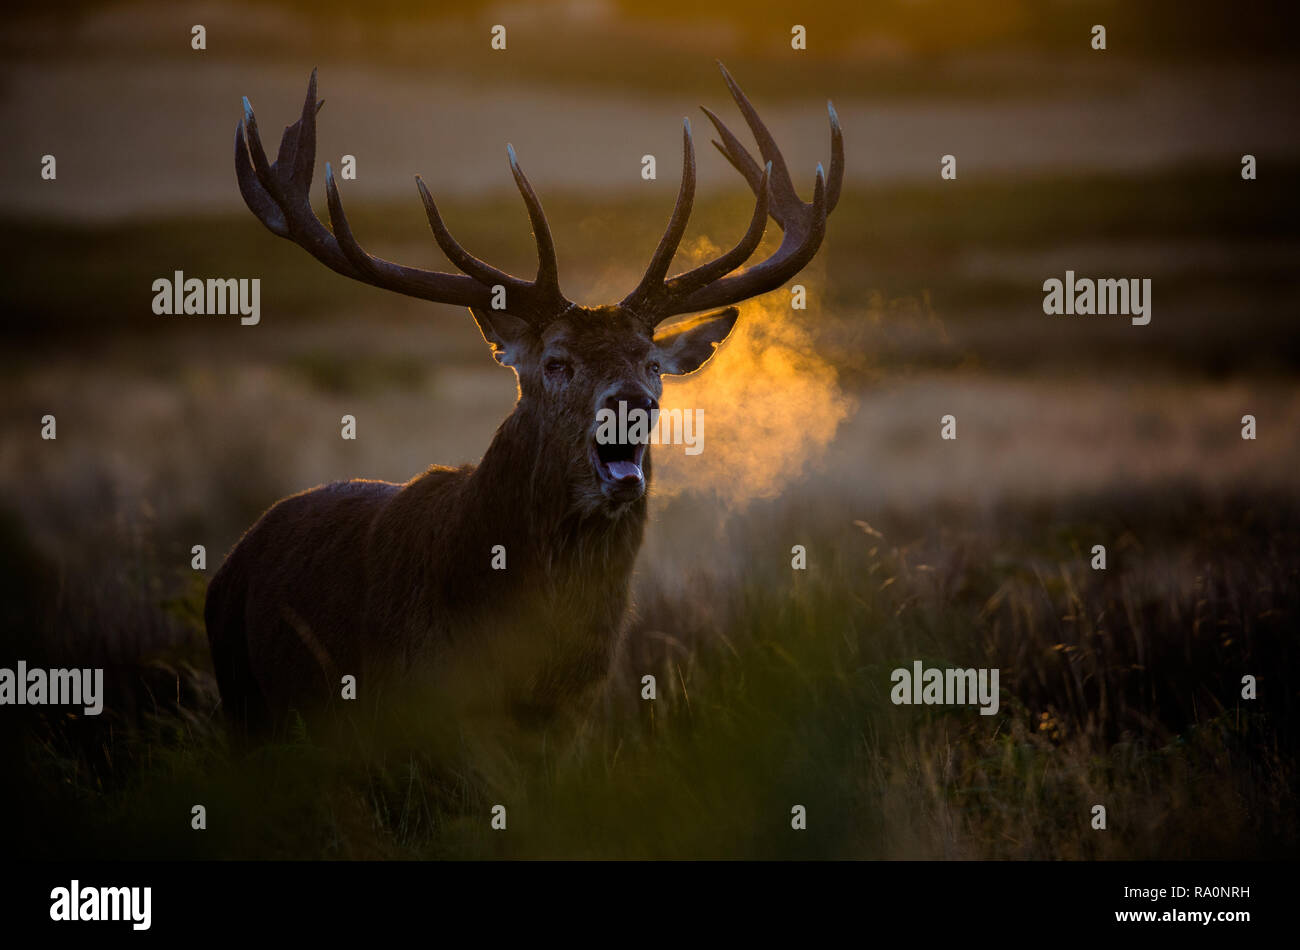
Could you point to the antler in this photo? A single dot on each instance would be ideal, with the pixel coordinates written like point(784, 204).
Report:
point(804, 225)
point(279, 195)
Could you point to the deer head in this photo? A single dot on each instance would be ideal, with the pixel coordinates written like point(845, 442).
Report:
point(572, 361)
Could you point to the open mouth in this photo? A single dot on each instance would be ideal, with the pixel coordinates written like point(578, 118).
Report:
point(618, 464)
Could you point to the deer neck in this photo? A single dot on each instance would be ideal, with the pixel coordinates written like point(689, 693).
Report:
point(523, 489)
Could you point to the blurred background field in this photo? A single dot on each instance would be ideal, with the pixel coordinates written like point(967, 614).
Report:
point(822, 426)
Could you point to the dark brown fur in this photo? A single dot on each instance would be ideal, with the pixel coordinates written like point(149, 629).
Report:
point(394, 584)
point(385, 582)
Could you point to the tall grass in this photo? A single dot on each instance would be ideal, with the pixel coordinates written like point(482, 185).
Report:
point(1120, 688)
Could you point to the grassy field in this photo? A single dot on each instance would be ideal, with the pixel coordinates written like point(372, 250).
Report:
point(1119, 687)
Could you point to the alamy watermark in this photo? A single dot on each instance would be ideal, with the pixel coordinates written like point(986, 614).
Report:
point(945, 687)
point(651, 427)
point(217, 295)
point(134, 904)
point(1107, 295)
point(38, 687)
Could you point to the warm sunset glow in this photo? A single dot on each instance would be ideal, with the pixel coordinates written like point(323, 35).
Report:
point(772, 404)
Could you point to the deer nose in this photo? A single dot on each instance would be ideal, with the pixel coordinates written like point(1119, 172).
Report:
point(635, 399)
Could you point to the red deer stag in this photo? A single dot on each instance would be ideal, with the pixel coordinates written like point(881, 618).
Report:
point(380, 580)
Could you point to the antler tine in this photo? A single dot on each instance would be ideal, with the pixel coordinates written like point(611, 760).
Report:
point(548, 271)
point(706, 273)
point(732, 150)
point(785, 200)
point(354, 252)
point(767, 146)
point(804, 224)
point(259, 201)
point(273, 197)
point(652, 282)
point(797, 248)
point(279, 195)
point(480, 270)
point(837, 159)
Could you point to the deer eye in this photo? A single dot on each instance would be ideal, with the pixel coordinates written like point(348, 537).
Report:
point(654, 367)
point(558, 367)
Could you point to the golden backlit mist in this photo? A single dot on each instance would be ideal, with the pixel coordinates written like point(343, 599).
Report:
point(772, 404)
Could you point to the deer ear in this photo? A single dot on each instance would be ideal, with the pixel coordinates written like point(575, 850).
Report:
point(687, 345)
point(504, 333)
